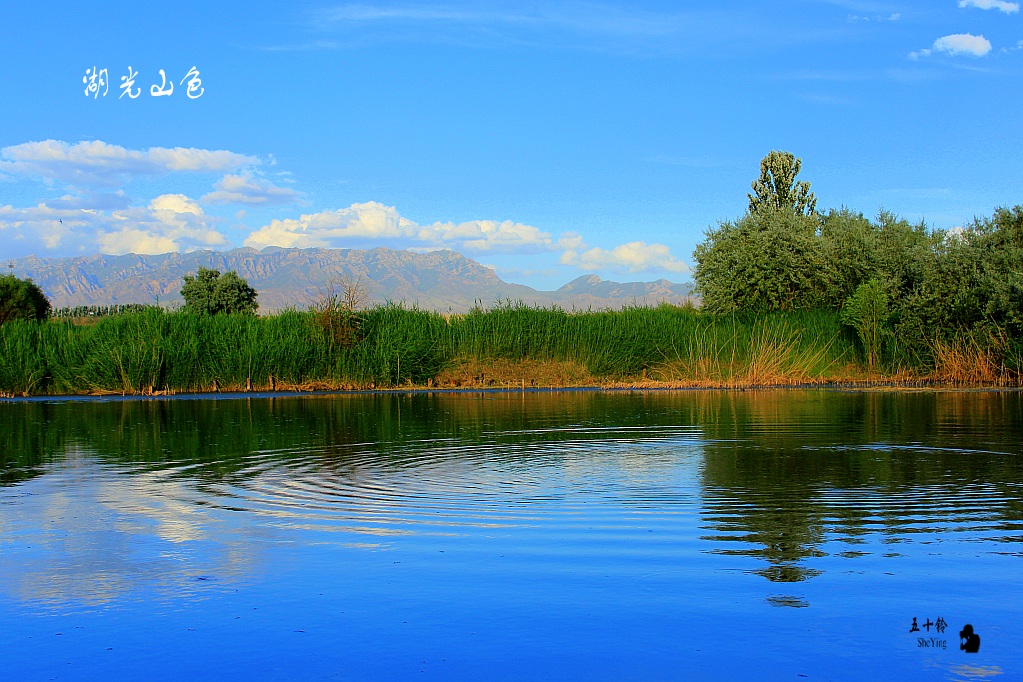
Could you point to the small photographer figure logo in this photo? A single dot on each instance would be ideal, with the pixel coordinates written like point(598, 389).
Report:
point(969, 641)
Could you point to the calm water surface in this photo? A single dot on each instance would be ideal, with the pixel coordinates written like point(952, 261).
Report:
point(777, 535)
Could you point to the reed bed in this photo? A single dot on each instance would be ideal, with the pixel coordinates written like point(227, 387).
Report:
point(971, 359)
point(776, 349)
point(674, 343)
point(153, 350)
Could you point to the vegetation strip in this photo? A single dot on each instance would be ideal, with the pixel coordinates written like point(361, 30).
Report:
point(790, 296)
point(391, 346)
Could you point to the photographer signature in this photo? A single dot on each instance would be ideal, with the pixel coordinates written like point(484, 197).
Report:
point(969, 641)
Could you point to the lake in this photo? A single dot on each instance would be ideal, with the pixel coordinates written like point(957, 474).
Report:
point(769, 535)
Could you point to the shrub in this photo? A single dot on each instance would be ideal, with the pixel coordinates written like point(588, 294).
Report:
point(866, 311)
point(768, 261)
point(21, 299)
point(336, 314)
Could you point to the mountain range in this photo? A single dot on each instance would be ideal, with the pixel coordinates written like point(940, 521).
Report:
point(436, 280)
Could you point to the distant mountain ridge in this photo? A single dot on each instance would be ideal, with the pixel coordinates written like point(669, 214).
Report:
point(437, 280)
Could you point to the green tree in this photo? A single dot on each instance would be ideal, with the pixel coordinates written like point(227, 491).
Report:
point(210, 293)
point(773, 257)
point(21, 299)
point(762, 262)
point(866, 311)
point(1001, 241)
point(777, 189)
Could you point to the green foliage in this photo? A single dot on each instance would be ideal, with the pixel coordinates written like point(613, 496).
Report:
point(937, 284)
point(210, 293)
point(999, 241)
point(22, 369)
point(21, 299)
point(937, 287)
point(155, 350)
point(771, 260)
point(624, 343)
point(866, 311)
point(777, 189)
point(402, 346)
point(849, 244)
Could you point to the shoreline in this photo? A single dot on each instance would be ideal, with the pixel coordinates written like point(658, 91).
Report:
point(508, 348)
point(917, 386)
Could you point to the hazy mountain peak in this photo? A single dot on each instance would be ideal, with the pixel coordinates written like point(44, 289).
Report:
point(292, 277)
point(582, 282)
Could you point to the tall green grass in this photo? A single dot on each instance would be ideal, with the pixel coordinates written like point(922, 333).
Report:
point(391, 345)
point(680, 342)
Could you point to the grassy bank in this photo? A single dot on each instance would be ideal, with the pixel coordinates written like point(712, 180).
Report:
point(390, 346)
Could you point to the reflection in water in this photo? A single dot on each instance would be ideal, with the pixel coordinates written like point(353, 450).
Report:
point(782, 474)
point(94, 535)
point(786, 471)
point(974, 672)
point(617, 519)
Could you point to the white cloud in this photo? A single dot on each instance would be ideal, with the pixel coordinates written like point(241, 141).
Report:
point(42, 224)
point(99, 163)
point(171, 222)
point(330, 228)
point(246, 188)
point(491, 235)
point(632, 257)
point(963, 43)
point(957, 44)
point(1007, 7)
point(958, 233)
point(175, 222)
point(372, 220)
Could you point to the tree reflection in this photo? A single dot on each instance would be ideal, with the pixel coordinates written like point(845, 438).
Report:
point(783, 472)
point(786, 471)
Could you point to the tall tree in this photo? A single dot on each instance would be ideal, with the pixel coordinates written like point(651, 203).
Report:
point(777, 188)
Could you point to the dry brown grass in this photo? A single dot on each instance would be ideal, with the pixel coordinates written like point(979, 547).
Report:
point(773, 357)
point(967, 362)
point(336, 311)
point(505, 373)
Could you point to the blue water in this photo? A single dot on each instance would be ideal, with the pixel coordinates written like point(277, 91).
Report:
point(776, 535)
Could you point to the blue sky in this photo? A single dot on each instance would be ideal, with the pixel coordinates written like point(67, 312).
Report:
point(546, 140)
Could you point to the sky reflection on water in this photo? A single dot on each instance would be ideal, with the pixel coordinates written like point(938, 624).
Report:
point(606, 536)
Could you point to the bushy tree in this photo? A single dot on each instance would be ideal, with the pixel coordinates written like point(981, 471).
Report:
point(970, 279)
point(783, 255)
point(210, 293)
point(1000, 239)
point(21, 299)
point(772, 260)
